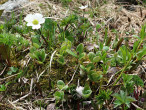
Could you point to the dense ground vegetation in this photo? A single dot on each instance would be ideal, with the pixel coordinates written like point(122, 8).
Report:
point(71, 64)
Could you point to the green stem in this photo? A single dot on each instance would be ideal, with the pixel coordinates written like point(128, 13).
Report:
point(139, 45)
point(124, 68)
point(101, 84)
point(43, 37)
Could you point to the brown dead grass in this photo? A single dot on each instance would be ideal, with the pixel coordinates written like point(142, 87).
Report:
point(112, 15)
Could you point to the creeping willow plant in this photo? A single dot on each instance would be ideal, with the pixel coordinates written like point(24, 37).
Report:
point(91, 66)
point(123, 100)
point(85, 92)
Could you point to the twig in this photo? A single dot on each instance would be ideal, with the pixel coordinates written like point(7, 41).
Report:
point(52, 59)
point(110, 79)
point(31, 84)
point(23, 97)
point(27, 62)
point(9, 77)
point(38, 76)
point(137, 106)
point(3, 70)
point(15, 107)
point(73, 75)
point(142, 68)
point(53, 18)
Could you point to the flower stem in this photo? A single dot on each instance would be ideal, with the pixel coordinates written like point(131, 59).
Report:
point(43, 38)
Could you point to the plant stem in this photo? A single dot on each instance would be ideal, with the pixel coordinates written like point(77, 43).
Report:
point(123, 107)
point(43, 37)
point(78, 105)
point(122, 71)
point(126, 65)
point(139, 45)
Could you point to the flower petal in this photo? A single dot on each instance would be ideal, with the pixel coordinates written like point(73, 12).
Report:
point(29, 24)
point(38, 15)
point(79, 90)
point(36, 26)
point(41, 21)
point(83, 7)
point(29, 18)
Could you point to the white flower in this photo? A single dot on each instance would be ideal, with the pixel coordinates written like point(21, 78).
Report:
point(79, 90)
point(83, 7)
point(34, 20)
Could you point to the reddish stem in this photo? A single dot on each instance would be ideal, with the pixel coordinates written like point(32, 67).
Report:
point(78, 105)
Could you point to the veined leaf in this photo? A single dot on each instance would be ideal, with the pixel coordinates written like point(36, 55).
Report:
point(61, 85)
point(71, 53)
point(80, 48)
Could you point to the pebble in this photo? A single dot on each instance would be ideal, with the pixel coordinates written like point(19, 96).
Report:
point(12, 4)
point(9, 7)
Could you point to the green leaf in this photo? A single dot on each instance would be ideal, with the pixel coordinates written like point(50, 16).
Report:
point(138, 81)
point(82, 55)
point(117, 103)
point(69, 36)
point(31, 55)
point(130, 99)
point(98, 26)
point(61, 85)
point(12, 70)
point(82, 67)
point(36, 41)
point(69, 20)
point(106, 48)
point(103, 96)
point(36, 45)
point(71, 53)
point(2, 88)
point(143, 32)
point(61, 60)
point(65, 45)
point(128, 83)
point(135, 46)
point(80, 48)
point(141, 53)
point(50, 28)
point(90, 66)
point(127, 78)
point(43, 55)
point(87, 91)
point(96, 59)
point(59, 95)
point(119, 97)
point(40, 55)
point(95, 76)
point(136, 37)
point(91, 55)
point(105, 35)
point(122, 98)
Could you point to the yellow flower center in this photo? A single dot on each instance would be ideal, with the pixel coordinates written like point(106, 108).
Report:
point(35, 22)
